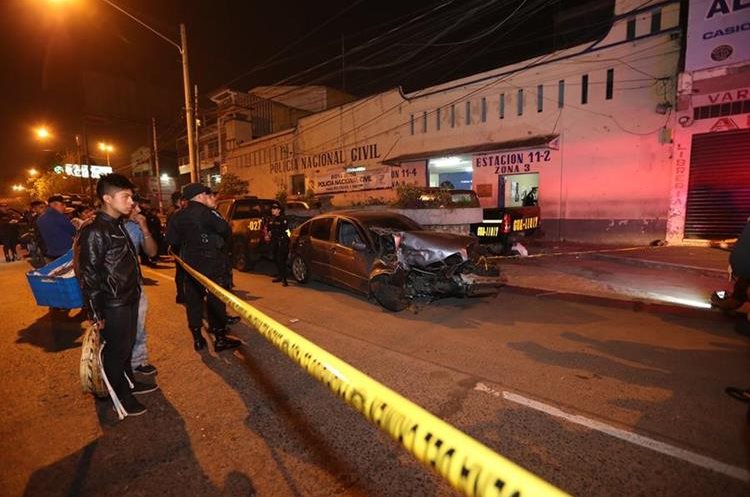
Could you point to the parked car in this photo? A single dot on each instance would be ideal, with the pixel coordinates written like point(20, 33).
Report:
point(389, 257)
point(245, 217)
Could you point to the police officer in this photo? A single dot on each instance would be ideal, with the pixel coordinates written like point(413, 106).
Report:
point(203, 237)
point(278, 229)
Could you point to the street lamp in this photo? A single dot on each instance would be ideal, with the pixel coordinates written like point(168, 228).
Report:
point(33, 172)
point(107, 148)
point(182, 48)
point(42, 133)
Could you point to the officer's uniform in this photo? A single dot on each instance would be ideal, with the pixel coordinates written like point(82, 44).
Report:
point(203, 237)
point(278, 228)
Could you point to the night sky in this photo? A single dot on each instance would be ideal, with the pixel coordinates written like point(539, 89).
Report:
point(70, 62)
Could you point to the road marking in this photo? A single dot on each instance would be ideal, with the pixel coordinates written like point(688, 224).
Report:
point(646, 442)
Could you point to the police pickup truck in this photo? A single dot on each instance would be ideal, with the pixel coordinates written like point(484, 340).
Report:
point(245, 217)
point(500, 227)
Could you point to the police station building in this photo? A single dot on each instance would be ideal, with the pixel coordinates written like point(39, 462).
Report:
point(641, 135)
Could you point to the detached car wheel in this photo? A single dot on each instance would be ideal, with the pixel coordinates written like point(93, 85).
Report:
point(389, 295)
point(300, 270)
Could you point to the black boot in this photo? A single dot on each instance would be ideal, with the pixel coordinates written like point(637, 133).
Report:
point(222, 342)
point(198, 341)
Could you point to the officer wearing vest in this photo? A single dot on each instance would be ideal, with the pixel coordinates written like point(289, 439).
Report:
point(203, 237)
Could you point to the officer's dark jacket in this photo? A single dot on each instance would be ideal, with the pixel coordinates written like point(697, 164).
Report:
point(106, 265)
point(203, 237)
point(277, 226)
point(739, 259)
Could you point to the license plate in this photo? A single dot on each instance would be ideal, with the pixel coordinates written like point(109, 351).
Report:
point(526, 223)
point(488, 231)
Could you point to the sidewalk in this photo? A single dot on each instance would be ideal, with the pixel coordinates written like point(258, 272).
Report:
point(662, 279)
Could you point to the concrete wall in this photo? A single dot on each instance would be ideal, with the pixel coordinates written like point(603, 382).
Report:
point(608, 177)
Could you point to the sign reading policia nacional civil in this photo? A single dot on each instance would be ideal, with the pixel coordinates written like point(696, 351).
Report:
point(718, 33)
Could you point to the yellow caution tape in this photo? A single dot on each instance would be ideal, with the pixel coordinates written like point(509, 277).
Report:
point(469, 466)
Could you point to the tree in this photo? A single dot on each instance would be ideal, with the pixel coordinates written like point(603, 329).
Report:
point(231, 184)
point(50, 183)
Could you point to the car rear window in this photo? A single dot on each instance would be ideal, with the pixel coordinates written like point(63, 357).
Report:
point(321, 228)
point(246, 210)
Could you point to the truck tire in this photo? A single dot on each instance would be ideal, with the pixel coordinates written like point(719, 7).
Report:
point(240, 259)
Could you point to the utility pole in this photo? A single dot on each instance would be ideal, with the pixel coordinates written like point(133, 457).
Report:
point(155, 151)
point(197, 134)
point(80, 163)
point(189, 117)
point(343, 64)
point(88, 160)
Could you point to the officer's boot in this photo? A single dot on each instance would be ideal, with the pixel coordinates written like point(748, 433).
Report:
point(198, 341)
point(222, 342)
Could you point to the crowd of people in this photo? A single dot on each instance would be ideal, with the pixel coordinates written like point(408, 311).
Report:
point(107, 265)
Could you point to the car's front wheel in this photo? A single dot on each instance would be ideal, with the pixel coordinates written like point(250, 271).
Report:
point(390, 295)
point(300, 269)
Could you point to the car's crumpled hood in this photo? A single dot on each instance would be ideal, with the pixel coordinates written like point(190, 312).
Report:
point(422, 248)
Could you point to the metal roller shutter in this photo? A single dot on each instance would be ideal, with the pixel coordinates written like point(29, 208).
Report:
point(718, 202)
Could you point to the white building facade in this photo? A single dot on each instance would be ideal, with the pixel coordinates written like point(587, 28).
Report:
point(590, 127)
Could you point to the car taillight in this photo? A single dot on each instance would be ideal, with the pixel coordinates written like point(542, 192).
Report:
point(506, 223)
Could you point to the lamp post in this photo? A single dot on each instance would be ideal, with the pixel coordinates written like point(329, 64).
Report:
point(43, 134)
point(107, 148)
point(182, 48)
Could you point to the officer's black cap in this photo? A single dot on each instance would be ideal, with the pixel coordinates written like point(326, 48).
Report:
point(192, 189)
point(276, 205)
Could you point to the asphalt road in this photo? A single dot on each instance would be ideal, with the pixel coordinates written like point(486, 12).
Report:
point(599, 401)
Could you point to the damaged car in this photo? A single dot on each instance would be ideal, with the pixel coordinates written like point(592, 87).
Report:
point(390, 258)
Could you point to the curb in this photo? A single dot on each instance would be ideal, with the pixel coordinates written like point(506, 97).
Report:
point(702, 271)
point(636, 305)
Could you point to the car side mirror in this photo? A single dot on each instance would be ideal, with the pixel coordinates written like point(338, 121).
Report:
point(359, 246)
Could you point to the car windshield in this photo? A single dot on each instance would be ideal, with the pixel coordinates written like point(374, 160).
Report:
point(395, 222)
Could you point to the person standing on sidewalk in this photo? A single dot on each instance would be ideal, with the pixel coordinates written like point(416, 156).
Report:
point(278, 229)
point(56, 229)
point(140, 235)
point(203, 236)
point(9, 232)
point(178, 205)
point(110, 278)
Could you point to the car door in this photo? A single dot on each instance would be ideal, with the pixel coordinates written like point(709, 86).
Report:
point(350, 266)
point(321, 247)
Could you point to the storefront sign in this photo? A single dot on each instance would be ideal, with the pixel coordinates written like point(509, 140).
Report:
point(83, 171)
point(368, 179)
point(718, 33)
point(513, 162)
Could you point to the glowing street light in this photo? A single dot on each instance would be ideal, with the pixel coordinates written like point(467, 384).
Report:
point(42, 133)
point(107, 148)
point(33, 172)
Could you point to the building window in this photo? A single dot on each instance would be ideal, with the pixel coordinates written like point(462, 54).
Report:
point(424, 122)
point(502, 106)
point(437, 118)
point(453, 116)
point(560, 93)
point(468, 113)
point(585, 89)
point(298, 184)
point(520, 102)
point(540, 98)
point(411, 121)
point(484, 110)
point(655, 21)
point(610, 83)
point(630, 30)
